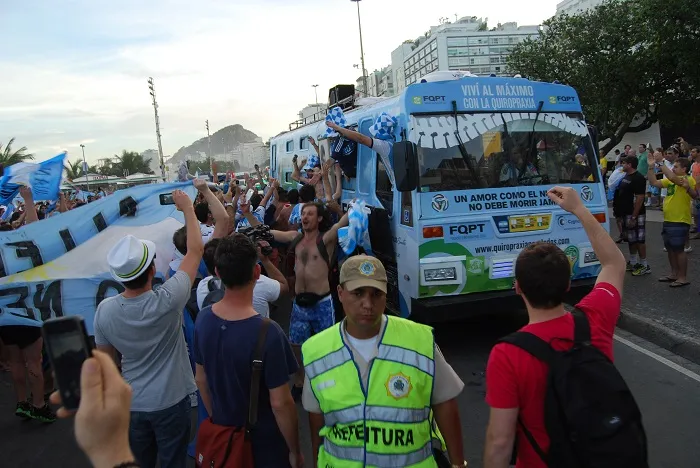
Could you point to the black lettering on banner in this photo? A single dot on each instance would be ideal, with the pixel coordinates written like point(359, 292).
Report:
point(100, 222)
point(105, 286)
point(23, 293)
point(127, 207)
point(51, 300)
point(67, 239)
point(3, 273)
point(28, 249)
point(345, 433)
point(409, 437)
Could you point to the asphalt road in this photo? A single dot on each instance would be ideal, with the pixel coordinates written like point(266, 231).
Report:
point(675, 308)
point(670, 401)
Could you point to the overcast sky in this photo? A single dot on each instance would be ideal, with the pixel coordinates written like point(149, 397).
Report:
point(75, 71)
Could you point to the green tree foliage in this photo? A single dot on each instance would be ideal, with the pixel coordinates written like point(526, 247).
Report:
point(129, 162)
point(632, 62)
point(8, 156)
point(74, 169)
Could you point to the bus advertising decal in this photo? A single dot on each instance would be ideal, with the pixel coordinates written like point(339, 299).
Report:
point(479, 201)
point(523, 223)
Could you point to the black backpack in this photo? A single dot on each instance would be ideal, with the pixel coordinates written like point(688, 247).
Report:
point(215, 294)
point(590, 415)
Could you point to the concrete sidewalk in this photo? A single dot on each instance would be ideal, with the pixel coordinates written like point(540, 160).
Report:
point(668, 317)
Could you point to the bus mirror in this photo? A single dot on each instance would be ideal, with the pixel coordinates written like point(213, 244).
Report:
point(405, 166)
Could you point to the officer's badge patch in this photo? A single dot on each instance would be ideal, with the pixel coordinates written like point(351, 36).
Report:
point(398, 386)
point(367, 268)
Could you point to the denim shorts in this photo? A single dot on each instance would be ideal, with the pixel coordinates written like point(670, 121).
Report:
point(675, 235)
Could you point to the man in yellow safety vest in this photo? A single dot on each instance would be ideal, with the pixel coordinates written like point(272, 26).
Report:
point(374, 382)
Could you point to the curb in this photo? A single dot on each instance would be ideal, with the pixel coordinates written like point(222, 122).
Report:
point(678, 343)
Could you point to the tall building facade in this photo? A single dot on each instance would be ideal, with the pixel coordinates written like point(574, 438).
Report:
point(467, 44)
point(572, 7)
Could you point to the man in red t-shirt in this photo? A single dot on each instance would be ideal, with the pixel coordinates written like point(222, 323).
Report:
point(515, 380)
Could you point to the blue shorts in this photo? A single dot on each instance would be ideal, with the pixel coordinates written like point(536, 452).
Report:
point(675, 235)
point(316, 318)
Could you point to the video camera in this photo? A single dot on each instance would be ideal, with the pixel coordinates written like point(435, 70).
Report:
point(258, 233)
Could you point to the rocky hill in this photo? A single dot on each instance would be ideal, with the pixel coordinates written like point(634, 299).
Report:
point(232, 136)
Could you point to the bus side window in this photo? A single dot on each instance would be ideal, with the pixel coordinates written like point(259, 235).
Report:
point(385, 192)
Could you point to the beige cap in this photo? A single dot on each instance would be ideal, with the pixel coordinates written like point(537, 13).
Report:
point(363, 271)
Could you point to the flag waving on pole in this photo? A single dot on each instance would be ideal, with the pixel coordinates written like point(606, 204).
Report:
point(43, 178)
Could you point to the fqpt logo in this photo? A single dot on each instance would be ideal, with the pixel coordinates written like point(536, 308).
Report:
point(417, 100)
point(440, 203)
point(586, 193)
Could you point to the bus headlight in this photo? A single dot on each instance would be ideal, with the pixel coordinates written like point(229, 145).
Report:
point(440, 274)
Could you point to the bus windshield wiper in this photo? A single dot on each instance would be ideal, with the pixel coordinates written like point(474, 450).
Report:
point(531, 149)
point(462, 148)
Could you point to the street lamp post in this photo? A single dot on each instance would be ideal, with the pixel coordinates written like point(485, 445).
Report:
point(152, 91)
point(316, 93)
point(85, 167)
point(362, 50)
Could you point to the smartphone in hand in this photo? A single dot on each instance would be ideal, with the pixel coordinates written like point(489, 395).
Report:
point(166, 199)
point(68, 346)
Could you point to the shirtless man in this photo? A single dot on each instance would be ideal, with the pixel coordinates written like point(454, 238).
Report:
point(312, 309)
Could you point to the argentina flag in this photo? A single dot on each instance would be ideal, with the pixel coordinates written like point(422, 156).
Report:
point(58, 266)
point(43, 178)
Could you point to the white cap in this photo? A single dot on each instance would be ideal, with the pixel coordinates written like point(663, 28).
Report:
point(130, 257)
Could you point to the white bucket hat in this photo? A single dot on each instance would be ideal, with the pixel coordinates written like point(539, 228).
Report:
point(130, 257)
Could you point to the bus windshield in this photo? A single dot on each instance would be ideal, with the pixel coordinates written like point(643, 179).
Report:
point(503, 150)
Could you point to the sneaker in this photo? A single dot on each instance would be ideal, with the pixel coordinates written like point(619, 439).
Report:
point(630, 267)
point(688, 249)
point(23, 409)
point(642, 270)
point(43, 414)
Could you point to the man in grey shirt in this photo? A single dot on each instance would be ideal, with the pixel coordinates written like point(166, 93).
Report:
point(145, 327)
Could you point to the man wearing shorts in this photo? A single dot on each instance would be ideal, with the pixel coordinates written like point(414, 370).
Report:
point(24, 346)
point(312, 311)
point(681, 190)
point(631, 192)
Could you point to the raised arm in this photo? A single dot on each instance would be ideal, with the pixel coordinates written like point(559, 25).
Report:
point(284, 236)
point(351, 134)
point(651, 175)
point(609, 255)
point(195, 247)
point(325, 170)
point(332, 234)
point(222, 224)
point(29, 208)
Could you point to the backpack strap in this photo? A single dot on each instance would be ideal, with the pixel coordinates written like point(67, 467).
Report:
point(542, 351)
point(582, 329)
point(532, 344)
point(322, 249)
point(295, 242)
point(256, 374)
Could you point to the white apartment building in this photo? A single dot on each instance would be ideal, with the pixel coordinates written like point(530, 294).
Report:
point(572, 7)
point(467, 44)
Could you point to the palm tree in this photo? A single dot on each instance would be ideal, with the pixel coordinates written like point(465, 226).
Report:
point(74, 169)
point(131, 162)
point(8, 157)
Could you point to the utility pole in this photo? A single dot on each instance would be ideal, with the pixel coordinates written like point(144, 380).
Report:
point(316, 93)
point(211, 161)
point(362, 50)
point(85, 168)
point(152, 90)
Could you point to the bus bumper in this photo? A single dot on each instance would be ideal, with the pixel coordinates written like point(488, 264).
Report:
point(450, 308)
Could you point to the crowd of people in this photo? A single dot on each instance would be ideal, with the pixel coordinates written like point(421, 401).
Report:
point(649, 178)
point(396, 418)
point(376, 388)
